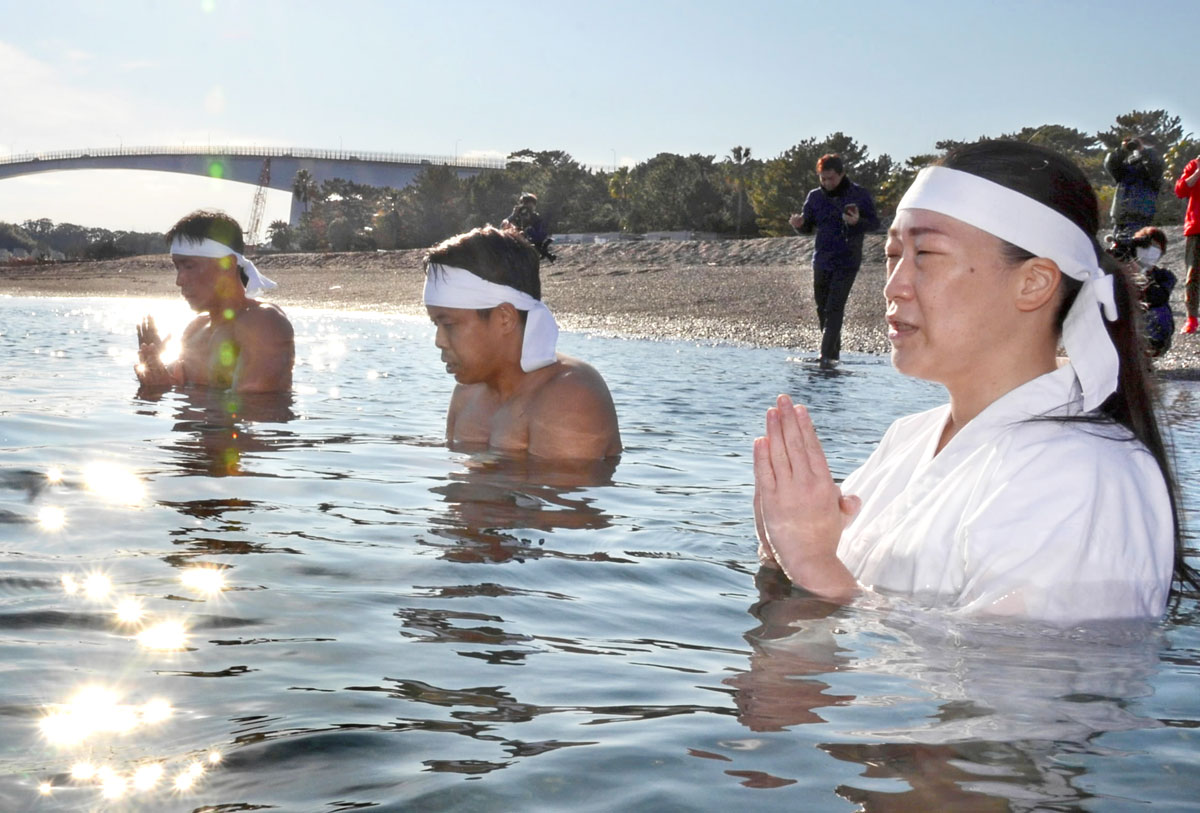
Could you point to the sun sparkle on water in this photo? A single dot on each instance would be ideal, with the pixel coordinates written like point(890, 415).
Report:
point(209, 580)
point(96, 710)
point(52, 518)
point(83, 771)
point(113, 786)
point(165, 635)
point(114, 483)
point(147, 776)
point(129, 610)
point(96, 586)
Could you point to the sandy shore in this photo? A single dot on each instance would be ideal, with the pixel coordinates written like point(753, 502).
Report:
point(756, 292)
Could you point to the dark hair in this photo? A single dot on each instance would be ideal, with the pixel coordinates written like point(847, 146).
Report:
point(1143, 237)
point(1054, 181)
point(528, 197)
point(214, 225)
point(502, 256)
point(831, 161)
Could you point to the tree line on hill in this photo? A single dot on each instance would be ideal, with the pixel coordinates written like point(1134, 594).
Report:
point(45, 239)
point(737, 195)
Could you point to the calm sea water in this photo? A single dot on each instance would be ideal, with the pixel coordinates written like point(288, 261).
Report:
point(310, 604)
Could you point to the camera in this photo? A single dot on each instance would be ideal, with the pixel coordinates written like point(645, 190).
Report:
point(1124, 249)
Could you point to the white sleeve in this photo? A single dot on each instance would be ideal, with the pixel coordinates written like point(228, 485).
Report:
point(1070, 529)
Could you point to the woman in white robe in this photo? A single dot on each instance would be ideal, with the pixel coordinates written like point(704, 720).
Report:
point(1043, 489)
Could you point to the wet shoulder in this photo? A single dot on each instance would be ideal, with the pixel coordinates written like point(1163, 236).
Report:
point(574, 378)
point(574, 388)
point(265, 319)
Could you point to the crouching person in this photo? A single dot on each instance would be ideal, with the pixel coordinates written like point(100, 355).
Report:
point(515, 393)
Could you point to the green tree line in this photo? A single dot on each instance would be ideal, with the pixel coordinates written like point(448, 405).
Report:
point(41, 237)
point(736, 195)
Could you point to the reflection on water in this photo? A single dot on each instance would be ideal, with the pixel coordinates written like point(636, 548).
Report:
point(996, 706)
point(309, 603)
point(493, 496)
point(215, 429)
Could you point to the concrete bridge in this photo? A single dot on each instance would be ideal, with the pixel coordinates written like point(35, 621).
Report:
point(249, 164)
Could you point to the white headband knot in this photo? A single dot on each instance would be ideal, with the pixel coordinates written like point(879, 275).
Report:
point(449, 287)
point(185, 246)
point(1044, 232)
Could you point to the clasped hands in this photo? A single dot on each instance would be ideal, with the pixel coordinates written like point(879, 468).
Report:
point(799, 511)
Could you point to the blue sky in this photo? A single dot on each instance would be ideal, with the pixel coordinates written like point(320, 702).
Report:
point(605, 81)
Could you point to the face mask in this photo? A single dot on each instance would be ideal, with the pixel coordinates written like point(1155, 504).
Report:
point(1147, 257)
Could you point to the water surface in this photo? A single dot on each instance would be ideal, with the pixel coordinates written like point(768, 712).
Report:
point(378, 622)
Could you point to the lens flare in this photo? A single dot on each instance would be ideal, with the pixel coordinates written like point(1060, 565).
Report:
point(209, 580)
point(114, 483)
point(165, 635)
point(54, 476)
point(70, 586)
point(45, 788)
point(214, 757)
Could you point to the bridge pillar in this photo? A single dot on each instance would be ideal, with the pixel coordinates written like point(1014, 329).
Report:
point(297, 210)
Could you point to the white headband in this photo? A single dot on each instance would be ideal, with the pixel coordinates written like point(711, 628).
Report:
point(449, 287)
point(1040, 230)
point(256, 283)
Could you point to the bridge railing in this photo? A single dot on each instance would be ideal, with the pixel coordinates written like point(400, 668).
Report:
point(259, 152)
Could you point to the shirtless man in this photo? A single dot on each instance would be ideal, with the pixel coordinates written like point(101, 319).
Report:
point(236, 343)
point(514, 393)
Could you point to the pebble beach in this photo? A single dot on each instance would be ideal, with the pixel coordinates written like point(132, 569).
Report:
point(756, 292)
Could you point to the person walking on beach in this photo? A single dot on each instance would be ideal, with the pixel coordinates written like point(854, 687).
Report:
point(1043, 489)
point(515, 393)
point(1188, 188)
point(236, 343)
point(840, 212)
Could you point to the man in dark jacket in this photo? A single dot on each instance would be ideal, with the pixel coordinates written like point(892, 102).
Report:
point(840, 212)
point(1138, 169)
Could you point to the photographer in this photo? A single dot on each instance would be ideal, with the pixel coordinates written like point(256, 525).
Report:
point(1139, 256)
point(525, 219)
point(1137, 169)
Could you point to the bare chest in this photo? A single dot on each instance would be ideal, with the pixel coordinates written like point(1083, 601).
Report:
point(209, 355)
point(484, 420)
